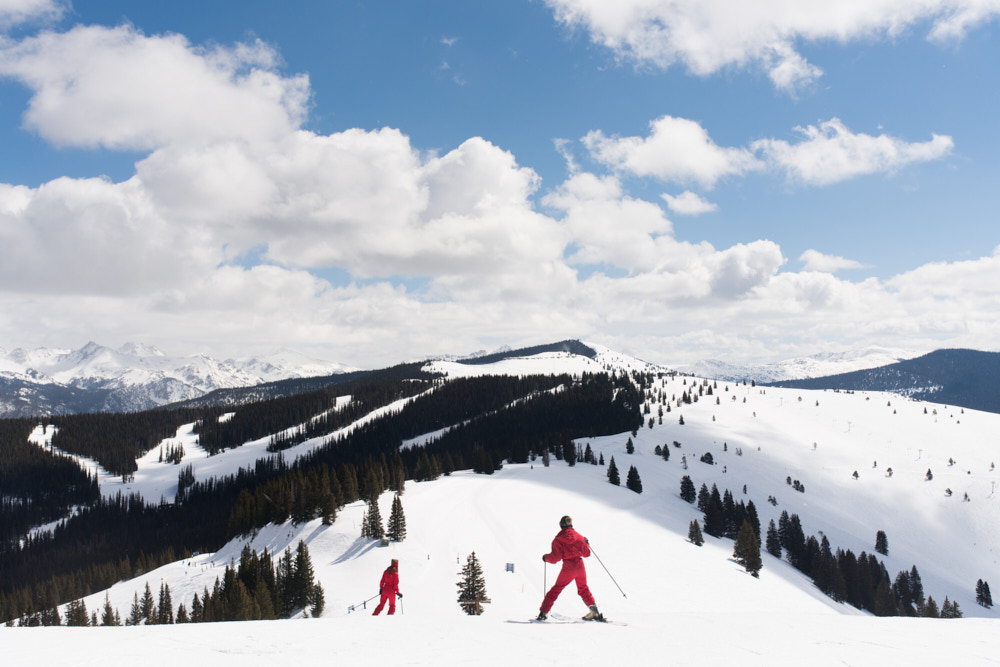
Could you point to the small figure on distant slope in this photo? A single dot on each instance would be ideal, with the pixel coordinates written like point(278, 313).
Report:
point(571, 548)
point(389, 588)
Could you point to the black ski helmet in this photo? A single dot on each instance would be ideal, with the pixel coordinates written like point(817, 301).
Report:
point(566, 522)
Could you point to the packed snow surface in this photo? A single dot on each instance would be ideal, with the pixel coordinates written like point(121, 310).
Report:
point(685, 605)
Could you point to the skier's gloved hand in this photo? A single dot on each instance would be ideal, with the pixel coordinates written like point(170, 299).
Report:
point(399, 595)
point(543, 560)
point(587, 540)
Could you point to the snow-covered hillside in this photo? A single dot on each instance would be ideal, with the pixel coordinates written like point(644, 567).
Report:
point(684, 604)
point(817, 365)
point(133, 377)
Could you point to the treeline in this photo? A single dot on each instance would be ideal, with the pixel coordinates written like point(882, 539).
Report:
point(255, 589)
point(313, 413)
point(496, 419)
point(586, 407)
point(116, 440)
point(37, 486)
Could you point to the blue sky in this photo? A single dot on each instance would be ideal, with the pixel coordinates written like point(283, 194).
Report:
point(371, 182)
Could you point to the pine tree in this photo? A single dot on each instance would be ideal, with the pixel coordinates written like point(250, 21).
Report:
point(632, 480)
point(148, 606)
point(397, 521)
point(108, 615)
point(472, 587)
point(950, 609)
point(930, 609)
point(687, 489)
point(885, 601)
point(983, 596)
point(747, 550)
point(703, 498)
point(135, 613)
point(715, 518)
point(300, 589)
point(882, 543)
point(694, 534)
point(773, 542)
point(165, 609)
point(371, 525)
point(613, 476)
point(76, 613)
point(629, 447)
point(197, 611)
point(317, 601)
point(182, 614)
point(916, 587)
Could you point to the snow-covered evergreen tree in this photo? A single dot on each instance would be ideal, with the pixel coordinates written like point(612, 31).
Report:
point(371, 525)
point(632, 481)
point(747, 550)
point(613, 475)
point(687, 489)
point(983, 596)
point(694, 533)
point(148, 606)
point(397, 521)
point(773, 542)
point(472, 587)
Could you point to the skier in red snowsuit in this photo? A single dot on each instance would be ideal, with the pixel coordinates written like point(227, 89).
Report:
point(571, 548)
point(389, 588)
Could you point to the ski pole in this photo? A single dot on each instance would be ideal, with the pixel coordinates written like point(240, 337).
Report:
point(545, 576)
point(363, 605)
point(606, 570)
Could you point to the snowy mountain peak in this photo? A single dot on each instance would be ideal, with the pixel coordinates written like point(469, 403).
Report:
point(140, 350)
point(134, 376)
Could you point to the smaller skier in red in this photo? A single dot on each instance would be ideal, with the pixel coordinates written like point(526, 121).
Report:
point(388, 588)
point(571, 548)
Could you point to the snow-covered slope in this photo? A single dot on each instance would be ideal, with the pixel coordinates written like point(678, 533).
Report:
point(684, 604)
point(817, 365)
point(132, 377)
point(605, 360)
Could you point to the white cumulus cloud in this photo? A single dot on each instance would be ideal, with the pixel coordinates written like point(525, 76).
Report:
point(688, 203)
point(677, 150)
point(706, 36)
point(118, 88)
point(830, 153)
point(813, 260)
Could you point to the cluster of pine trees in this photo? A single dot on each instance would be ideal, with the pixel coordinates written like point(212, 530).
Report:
point(36, 485)
point(116, 440)
point(311, 414)
point(861, 581)
point(255, 589)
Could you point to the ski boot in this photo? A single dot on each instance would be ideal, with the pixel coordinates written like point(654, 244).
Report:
point(593, 614)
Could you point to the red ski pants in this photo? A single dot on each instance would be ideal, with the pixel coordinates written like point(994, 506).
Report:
point(389, 597)
point(572, 569)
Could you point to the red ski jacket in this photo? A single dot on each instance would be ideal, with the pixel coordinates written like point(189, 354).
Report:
point(390, 582)
point(567, 544)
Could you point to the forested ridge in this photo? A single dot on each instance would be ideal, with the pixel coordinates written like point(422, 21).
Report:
point(493, 419)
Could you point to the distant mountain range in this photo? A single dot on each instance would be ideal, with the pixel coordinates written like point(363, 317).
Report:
point(137, 377)
point(133, 377)
point(817, 365)
point(965, 378)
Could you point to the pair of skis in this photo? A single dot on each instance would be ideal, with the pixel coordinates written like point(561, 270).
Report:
point(559, 619)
